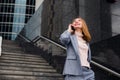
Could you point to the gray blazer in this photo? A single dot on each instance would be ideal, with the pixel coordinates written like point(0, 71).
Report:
point(72, 64)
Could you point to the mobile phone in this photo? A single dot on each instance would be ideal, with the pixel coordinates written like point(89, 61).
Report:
point(72, 28)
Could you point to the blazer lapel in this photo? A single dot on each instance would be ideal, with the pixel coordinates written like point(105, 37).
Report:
point(75, 46)
point(74, 43)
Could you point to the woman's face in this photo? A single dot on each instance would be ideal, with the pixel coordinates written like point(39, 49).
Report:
point(77, 23)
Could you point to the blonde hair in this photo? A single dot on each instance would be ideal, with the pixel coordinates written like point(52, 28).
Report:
point(85, 31)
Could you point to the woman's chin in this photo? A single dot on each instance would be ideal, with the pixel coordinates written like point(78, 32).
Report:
point(76, 27)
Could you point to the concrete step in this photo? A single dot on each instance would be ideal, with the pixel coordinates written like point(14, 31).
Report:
point(21, 54)
point(22, 59)
point(10, 46)
point(9, 42)
point(18, 77)
point(12, 51)
point(19, 68)
point(24, 62)
point(26, 65)
point(28, 73)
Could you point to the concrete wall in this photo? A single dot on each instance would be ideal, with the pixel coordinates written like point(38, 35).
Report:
point(46, 18)
point(64, 12)
point(115, 13)
point(33, 27)
point(98, 18)
point(57, 14)
point(38, 3)
point(90, 11)
point(102, 18)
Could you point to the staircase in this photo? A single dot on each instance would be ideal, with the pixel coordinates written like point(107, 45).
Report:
point(15, 64)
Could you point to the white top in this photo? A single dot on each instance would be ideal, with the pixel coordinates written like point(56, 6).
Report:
point(83, 50)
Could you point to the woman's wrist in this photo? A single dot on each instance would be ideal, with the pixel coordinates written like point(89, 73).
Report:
point(69, 30)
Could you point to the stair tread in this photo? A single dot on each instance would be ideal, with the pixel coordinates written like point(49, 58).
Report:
point(27, 65)
point(19, 77)
point(29, 73)
point(12, 51)
point(9, 46)
point(20, 54)
point(16, 64)
point(23, 61)
point(20, 59)
point(26, 69)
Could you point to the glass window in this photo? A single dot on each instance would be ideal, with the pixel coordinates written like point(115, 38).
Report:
point(23, 2)
point(27, 9)
point(0, 27)
point(22, 9)
point(11, 18)
point(15, 14)
point(22, 18)
point(5, 8)
point(0, 7)
point(10, 8)
point(5, 1)
point(1, 16)
point(31, 2)
point(11, 1)
point(28, 2)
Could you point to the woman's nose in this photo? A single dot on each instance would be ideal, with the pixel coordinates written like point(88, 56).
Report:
point(76, 22)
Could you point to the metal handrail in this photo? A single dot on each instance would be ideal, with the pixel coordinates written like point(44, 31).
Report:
point(28, 40)
point(53, 42)
point(93, 62)
point(8, 32)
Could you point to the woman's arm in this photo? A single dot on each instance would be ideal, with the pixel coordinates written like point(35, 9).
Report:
point(65, 37)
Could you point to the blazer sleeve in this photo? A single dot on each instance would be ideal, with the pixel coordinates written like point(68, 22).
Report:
point(65, 37)
point(89, 53)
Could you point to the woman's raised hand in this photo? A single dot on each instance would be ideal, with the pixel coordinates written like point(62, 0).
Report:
point(70, 28)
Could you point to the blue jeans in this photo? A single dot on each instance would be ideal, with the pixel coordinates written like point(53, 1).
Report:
point(87, 74)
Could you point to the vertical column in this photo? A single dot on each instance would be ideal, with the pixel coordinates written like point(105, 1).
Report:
point(19, 10)
point(68, 13)
point(82, 8)
point(90, 11)
point(115, 14)
point(105, 17)
point(0, 45)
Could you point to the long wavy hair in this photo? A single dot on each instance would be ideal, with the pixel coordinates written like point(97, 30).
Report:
point(85, 31)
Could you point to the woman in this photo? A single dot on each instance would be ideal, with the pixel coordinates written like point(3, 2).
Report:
point(76, 39)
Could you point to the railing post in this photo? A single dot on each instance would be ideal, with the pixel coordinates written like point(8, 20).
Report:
point(50, 53)
point(0, 45)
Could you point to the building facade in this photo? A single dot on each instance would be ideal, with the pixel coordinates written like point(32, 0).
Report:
point(14, 14)
point(102, 17)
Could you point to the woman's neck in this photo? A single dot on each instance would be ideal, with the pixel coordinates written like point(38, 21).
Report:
point(78, 30)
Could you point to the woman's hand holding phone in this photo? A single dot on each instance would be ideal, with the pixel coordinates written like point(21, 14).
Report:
point(70, 28)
